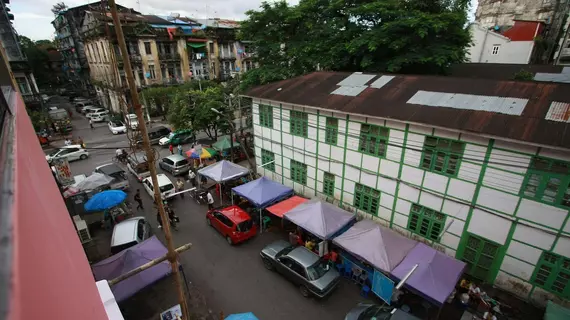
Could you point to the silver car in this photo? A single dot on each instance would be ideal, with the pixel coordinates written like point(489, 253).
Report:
point(120, 180)
point(301, 266)
point(175, 164)
point(365, 311)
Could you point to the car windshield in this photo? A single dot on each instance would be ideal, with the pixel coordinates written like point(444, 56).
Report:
point(285, 251)
point(54, 152)
point(317, 270)
point(116, 124)
point(167, 187)
point(171, 135)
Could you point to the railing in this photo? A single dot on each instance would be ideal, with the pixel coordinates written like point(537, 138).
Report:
point(169, 56)
point(226, 55)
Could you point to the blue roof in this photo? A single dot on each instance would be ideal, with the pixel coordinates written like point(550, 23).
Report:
point(263, 192)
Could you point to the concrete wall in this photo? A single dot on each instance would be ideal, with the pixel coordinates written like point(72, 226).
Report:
point(517, 52)
point(482, 199)
point(492, 12)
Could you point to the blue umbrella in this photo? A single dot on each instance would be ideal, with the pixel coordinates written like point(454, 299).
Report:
point(105, 200)
point(242, 316)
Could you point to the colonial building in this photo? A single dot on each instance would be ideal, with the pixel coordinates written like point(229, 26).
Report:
point(18, 61)
point(479, 169)
point(68, 34)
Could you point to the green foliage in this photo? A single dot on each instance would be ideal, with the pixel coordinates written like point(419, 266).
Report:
point(37, 54)
point(413, 36)
point(524, 75)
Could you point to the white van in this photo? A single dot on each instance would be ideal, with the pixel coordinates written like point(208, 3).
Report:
point(165, 185)
point(129, 233)
point(99, 116)
point(132, 121)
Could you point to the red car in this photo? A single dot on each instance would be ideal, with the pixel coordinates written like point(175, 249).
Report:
point(233, 223)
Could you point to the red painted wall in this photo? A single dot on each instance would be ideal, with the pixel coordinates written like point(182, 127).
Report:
point(51, 278)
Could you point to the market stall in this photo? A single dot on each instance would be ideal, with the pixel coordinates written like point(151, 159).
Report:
point(225, 146)
point(320, 218)
point(222, 172)
point(281, 208)
point(130, 259)
point(436, 275)
point(110, 206)
point(261, 193)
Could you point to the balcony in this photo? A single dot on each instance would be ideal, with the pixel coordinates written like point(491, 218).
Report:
point(225, 55)
point(169, 56)
point(198, 56)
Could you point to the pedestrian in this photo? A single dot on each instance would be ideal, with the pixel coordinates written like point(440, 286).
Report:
point(192, 178)
point(80, 141)
point(91, 123)
point(180, 186)
point(210, 200)
point(138, 199)
point(171, 148)
point(68, 142)
point(180, 149)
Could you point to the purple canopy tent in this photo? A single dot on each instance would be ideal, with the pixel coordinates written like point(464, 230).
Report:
point(320, 218)
point(436, 275)
point(130, 259)
point(384, 248)
point(263, 192)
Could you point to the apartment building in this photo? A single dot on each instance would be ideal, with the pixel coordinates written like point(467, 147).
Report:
point(479, 169)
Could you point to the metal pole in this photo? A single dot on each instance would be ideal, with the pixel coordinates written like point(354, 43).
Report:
point(231, 133)
point(406, 277)
point(172, 255)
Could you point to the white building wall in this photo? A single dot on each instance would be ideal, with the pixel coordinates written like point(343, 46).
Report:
point(484, 40)
point(482, 199)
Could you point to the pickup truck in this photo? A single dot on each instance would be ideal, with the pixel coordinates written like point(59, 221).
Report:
point(120, 180)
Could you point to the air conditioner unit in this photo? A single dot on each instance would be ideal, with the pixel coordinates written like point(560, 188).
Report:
point(82, 230)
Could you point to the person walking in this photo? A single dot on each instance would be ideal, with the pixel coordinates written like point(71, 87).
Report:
point(210, 200)
point(180, 149)
point(138, 199)
point(180, 186)
point(91, 123)
point(80, 142)
point(171, 149)
point(192, 178)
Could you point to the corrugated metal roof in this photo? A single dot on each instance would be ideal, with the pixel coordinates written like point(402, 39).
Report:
point(499, 71)
point(380, 82)
point(356, 79)
point(559, 111)
point(391, 101)
point(524, 30)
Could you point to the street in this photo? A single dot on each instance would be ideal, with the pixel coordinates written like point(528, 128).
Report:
point(231, 278)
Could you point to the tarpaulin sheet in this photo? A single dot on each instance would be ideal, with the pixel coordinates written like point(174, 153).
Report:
point(281, 208)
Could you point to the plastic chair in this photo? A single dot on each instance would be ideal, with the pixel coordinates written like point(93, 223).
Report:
point(340, 268)
point(347, 272)
point(266, 221)
point(365, 291)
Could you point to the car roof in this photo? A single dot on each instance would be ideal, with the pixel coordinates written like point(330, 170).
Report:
point(303, 256)
point(235, 213)
point(110, 168)
point(175, 157)
point(125, 231)
point(162, 179)
point(157, 128)
point(72, 146)
point(182, 131)
point(117, 122)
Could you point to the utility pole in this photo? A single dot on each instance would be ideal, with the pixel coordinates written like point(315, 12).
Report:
point(172, 255)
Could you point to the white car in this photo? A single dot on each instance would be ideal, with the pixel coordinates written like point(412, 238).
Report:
point(100, 116)
point(90, 113)
point(88, 108)
point(73, 152)
point(166, 186)
point(117, 127)
point(132, 121)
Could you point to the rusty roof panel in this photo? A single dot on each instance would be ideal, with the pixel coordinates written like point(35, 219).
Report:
point(559, 111)
point(468, 114)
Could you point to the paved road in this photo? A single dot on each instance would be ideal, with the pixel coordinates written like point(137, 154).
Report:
point(231, 278)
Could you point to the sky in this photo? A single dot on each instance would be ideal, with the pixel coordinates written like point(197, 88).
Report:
point(32, 18)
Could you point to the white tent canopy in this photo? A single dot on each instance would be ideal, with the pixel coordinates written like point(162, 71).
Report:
point(223, 171)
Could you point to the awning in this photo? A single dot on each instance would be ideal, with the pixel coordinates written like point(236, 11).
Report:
point(263, 192)
point(281, 208)
point(223, 171)
point(320, 218)
point(196, 45)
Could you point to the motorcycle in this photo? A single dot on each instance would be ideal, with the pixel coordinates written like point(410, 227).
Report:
point(173, 219)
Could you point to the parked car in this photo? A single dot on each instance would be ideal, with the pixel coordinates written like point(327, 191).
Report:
point(164, 184)
point(155, 134)
point(137, 164)
point(100, 116)
point(175, 164)
point(129, 233)
point(92, 111)
point(366, 311)
point(178, 137)
point(117, 127)
point(88, 109)
point(79, 106)
point(302, 267)
point(120, 180)
point(132, 121)
point(233, 223)
point(72, 152)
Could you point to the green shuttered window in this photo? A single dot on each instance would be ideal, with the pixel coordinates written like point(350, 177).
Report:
point(548, 181)
point(366, 199)
point(298, 172)
point(442, 155)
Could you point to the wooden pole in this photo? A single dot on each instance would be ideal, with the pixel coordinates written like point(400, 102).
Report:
point(172, 255)
point(146, 266)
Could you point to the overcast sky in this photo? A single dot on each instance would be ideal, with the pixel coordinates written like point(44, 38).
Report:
point(32, 18)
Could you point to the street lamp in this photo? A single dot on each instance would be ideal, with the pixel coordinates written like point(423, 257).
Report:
point(231, 136)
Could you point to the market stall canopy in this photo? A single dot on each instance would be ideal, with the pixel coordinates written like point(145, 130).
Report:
point(320, 218)
point(436, 275)
point(94, 181)
point(130, 259)
point(281, 208)
point(262, 192)
point(105, 200)
point(205, 154)
point(384, 248)
point(223, 171)
point(556, 312)
point(225, 143)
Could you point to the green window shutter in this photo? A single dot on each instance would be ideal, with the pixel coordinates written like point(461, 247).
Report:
point(268, 160)
point(299, 123)
point(331, 131)
point(298, 172)
point(480, 255)
point(373, 140)
point(328, 184)
point(547, 181)
point(552, 273)
point(426, 222)
point(266, 116)
point(366, 199)
point(442, 156)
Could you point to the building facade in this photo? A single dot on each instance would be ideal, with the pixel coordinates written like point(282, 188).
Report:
point(18, 61)
point(461, 171)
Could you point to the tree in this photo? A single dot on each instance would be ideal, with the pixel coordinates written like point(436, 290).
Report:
point(58, 8)
point(38, 58)
point(416, 36)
